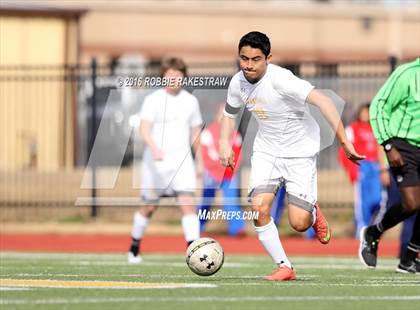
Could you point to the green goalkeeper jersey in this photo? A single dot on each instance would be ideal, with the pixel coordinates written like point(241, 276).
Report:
point(395, 110)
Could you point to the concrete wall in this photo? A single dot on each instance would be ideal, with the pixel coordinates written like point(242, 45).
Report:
point(209, 31)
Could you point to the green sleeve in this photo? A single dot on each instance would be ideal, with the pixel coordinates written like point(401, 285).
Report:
point(388, 97)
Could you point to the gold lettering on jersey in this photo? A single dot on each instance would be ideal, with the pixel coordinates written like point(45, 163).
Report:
point(260, 113)
point(251, 102)
point(255, 105)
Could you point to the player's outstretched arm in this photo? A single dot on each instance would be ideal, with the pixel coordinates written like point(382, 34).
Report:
point(329, 111)
point(226, 155)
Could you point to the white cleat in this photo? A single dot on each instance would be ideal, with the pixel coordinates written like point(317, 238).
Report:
point(134, 259)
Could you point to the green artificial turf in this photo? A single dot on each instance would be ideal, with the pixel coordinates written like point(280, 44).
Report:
point(322, 283)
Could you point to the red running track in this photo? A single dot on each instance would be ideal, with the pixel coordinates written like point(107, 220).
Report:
point(176, 244)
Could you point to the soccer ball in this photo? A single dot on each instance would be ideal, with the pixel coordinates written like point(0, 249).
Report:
point(205, 256)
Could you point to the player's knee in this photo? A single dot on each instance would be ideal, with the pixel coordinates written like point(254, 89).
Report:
point(263, 210)
point(299, 225)
point(148, 211)
point(264, 215)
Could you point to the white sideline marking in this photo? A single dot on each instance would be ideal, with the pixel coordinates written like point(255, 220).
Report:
point(227, 265)
point(411, 278)
point(149, 263)
point(204, 299)
point(174, 260)
point(300, 282)
point(5, 288)
point(165, 257)
point(46, 283)
point(232, 265)
point(312, 263)
point(288, 284)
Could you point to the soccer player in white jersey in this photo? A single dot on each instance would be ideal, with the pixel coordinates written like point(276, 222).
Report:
point(285, 147)
point(170, 124)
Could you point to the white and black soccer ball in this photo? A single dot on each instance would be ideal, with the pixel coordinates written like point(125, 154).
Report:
point(205, 256)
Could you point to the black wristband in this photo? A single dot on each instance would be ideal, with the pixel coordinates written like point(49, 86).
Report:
point(389, 141)
point(388, 144)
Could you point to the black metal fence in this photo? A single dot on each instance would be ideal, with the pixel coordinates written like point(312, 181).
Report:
point(51, 115)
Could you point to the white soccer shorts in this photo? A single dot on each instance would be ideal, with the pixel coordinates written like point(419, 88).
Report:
point(298, 175)
point(168, 177)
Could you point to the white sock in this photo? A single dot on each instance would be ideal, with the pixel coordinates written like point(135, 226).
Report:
point(139, 225)
point(269, 237)
point(313, 216)
point(191, 227)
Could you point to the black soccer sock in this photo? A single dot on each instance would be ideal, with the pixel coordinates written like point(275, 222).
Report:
point(396, 214)
point(414, 245)
point(375, 231)
point(135, 246)
point(411, 252)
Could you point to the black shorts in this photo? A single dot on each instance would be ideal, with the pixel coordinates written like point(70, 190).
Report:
point(409, 173)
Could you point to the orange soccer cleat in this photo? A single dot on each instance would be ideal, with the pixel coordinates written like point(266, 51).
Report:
point(282, 273)
point(321, 227)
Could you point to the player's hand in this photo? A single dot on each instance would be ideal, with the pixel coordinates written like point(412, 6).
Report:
point(227, 157)
point(394, 158)
point(157, 153)
point(351, 152)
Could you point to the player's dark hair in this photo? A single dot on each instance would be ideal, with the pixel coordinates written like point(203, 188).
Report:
point(173, 63)
point(256, 39)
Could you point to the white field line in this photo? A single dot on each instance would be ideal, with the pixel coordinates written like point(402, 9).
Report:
point(164, 257)
point(177, 261)
point(157, 276)
point(354, 266)
point(248, 280)
point(5, 288)
point(305, 284)
point(150, 263)
point(261, 283)
point(224, 299)
point(173, 257)
point(160, 286)
point(142, 275)
point(407, 279)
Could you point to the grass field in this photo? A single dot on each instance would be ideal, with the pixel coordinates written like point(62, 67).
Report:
point(99, 281)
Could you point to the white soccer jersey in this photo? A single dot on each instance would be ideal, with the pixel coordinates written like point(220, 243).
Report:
point(172, 118)
point(278, 102)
